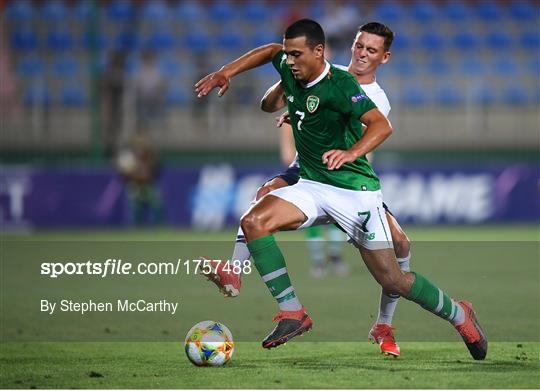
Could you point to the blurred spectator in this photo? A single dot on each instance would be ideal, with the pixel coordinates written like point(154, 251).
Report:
point(138, 165)
point(341, 21)
point(294, 11)
point(150, 92)
point(36, 85)
point(112, 91)
point(8, 90)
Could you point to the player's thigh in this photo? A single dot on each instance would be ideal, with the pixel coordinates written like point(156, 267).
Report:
point(273, 214)
point(303, 196)
point(399, 237)
point(271, 185)
point(360, 214)
point(384, 268)
point(276, 183)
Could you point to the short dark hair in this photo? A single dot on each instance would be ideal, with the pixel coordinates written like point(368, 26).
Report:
point(306, 28)
point(381, 30)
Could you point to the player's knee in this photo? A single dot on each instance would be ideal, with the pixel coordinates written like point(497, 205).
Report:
point(387, 283)
point(402, 245)
point(393, 283)
point(253, 222)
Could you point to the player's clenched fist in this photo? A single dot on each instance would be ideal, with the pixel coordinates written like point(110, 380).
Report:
point(211, 81)
point(335, 158)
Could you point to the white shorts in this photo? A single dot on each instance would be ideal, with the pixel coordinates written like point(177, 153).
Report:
point(359, 213)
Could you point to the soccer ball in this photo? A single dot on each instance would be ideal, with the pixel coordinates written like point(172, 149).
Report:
point(209, 343)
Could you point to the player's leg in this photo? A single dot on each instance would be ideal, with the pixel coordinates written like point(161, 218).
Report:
point(241, 251)
point(419, 289)
point(402, 252)
point(315, 245)
point(382, 331)
point(415, 287)
point(402, 244)
point(226, 280)
point(223, 275)
point(284, 209)
point(369, 230)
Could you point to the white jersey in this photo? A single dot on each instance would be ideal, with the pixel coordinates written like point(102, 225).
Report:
point(374, 92)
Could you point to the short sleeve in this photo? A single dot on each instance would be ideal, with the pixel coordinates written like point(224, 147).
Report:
point(381, 100)
point(280, 61)
point(352, 98)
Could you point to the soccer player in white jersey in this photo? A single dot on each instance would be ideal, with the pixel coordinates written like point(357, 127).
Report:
point(335, 125)
point(370, 49)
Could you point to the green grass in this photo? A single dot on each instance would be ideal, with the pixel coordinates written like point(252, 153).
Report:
point(495, 267)
point(430, 233)
point(296, 365)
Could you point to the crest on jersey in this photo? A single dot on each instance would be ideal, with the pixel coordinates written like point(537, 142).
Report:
point(312, 102)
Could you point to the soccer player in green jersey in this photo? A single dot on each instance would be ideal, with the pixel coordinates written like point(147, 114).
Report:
point(370, 49)
point(337, 184)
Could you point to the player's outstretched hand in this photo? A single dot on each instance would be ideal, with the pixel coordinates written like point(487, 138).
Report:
point(211, 81)
point(283, 119)
point(335, 158)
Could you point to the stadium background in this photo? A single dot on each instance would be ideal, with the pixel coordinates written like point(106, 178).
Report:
point(81, 79)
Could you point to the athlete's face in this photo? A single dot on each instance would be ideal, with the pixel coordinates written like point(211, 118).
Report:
point(305, 62)
point(367, 53)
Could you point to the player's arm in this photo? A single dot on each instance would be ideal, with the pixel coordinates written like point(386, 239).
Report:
point(252, 59)
point(273, 99)
point(378, 129)
point(286, 145)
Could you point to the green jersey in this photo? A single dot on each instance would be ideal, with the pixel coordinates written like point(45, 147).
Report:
point(325, 115)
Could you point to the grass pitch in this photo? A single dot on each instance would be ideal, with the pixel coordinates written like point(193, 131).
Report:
point(295, 365)
point(500, 276)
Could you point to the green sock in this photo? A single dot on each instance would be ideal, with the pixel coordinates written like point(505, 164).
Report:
point(270, 264)
point(425, 293)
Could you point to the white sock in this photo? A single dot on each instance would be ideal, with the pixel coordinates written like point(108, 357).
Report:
point(290, 305)
point(241, 251)
point(404, 263)
point(388, 302)
point(459, 316)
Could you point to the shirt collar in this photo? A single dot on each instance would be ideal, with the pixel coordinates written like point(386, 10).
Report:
point(321, 76)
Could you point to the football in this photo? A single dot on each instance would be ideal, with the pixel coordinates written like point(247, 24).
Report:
point(209, 343)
